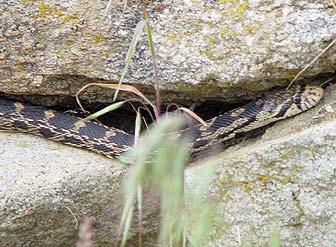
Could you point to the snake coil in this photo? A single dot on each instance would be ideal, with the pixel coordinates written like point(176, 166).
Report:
point(112, 142)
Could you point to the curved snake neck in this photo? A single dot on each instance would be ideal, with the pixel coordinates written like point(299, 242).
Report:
point(112, 142)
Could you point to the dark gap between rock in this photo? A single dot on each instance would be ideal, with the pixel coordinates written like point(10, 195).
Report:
point(122, 118)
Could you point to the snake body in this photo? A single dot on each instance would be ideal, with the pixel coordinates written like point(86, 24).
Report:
point(112, 142)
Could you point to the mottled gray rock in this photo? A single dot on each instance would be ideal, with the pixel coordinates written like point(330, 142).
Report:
point(46, 188)
point(284, 182)
point(221, 48)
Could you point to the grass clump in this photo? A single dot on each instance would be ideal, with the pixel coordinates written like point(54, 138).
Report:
point(159, 162)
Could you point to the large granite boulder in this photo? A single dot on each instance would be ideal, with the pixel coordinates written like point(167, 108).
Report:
point(205, 49)
point(47, 188)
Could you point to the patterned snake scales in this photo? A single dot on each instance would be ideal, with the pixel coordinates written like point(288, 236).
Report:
point(112, 142)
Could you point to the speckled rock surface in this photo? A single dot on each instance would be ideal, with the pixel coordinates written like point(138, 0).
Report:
point(284, 182)
point(205, 49)
point(47, 188)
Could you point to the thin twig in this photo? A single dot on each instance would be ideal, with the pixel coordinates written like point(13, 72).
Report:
point(333, 2)
point(126, 88)
point(313, 61)
point(152, 49)
point(327, 81)
point(143, 107)
point(193, 115)
point(131, 50)
point(73, 215)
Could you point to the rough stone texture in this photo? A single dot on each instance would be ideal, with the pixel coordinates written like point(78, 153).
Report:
point(46, 189)
point(205, 49)
point(285, 182)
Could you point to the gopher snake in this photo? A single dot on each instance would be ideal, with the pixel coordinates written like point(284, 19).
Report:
point(112, 142)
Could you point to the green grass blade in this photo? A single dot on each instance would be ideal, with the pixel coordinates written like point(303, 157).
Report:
point(202, 213)
point(139, 199)
point(108, 6)
point(105, 110)
point(155, 135)
point(131, 49)
point(137, 127)
point(152, 50)
point(150, 38)
point(127, 226)
point(184, 240)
